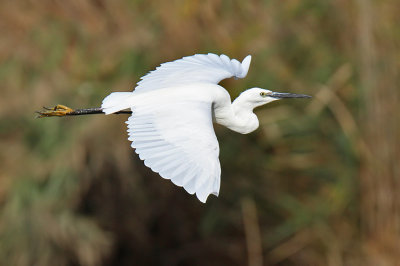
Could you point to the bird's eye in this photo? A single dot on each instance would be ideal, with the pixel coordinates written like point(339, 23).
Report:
point(263, 94)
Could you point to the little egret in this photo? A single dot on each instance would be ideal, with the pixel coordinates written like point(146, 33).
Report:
point(173, 109)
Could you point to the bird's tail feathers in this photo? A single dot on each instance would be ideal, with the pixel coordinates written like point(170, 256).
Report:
point(116, 101)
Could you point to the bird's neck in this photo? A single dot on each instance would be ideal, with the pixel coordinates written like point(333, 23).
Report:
point(238, 117)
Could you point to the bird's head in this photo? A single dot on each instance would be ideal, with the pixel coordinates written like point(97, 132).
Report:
point(256, 97)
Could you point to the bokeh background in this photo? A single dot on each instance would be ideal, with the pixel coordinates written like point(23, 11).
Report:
point(317, 184)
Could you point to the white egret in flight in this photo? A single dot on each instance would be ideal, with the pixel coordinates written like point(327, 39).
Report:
point(173, 109)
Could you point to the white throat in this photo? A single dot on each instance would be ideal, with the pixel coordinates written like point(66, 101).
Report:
point(238, 117)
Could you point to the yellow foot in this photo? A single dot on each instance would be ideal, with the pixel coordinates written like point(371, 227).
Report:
point(58, 110)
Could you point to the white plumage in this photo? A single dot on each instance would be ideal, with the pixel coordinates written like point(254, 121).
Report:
point(198, 68)
point(173, 107)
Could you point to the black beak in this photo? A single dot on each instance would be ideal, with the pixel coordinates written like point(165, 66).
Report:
point(281, 95)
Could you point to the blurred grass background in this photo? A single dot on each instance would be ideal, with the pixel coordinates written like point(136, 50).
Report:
point(317, 184)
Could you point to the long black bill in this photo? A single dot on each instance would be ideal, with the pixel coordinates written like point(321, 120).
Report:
point(281, 95)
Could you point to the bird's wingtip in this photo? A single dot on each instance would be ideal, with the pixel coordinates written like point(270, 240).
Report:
point(245, 66)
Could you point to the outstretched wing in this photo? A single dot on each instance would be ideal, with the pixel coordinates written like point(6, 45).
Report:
point(199, 68)
point(175, 136)
point(177, 140)
point(204, 68)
